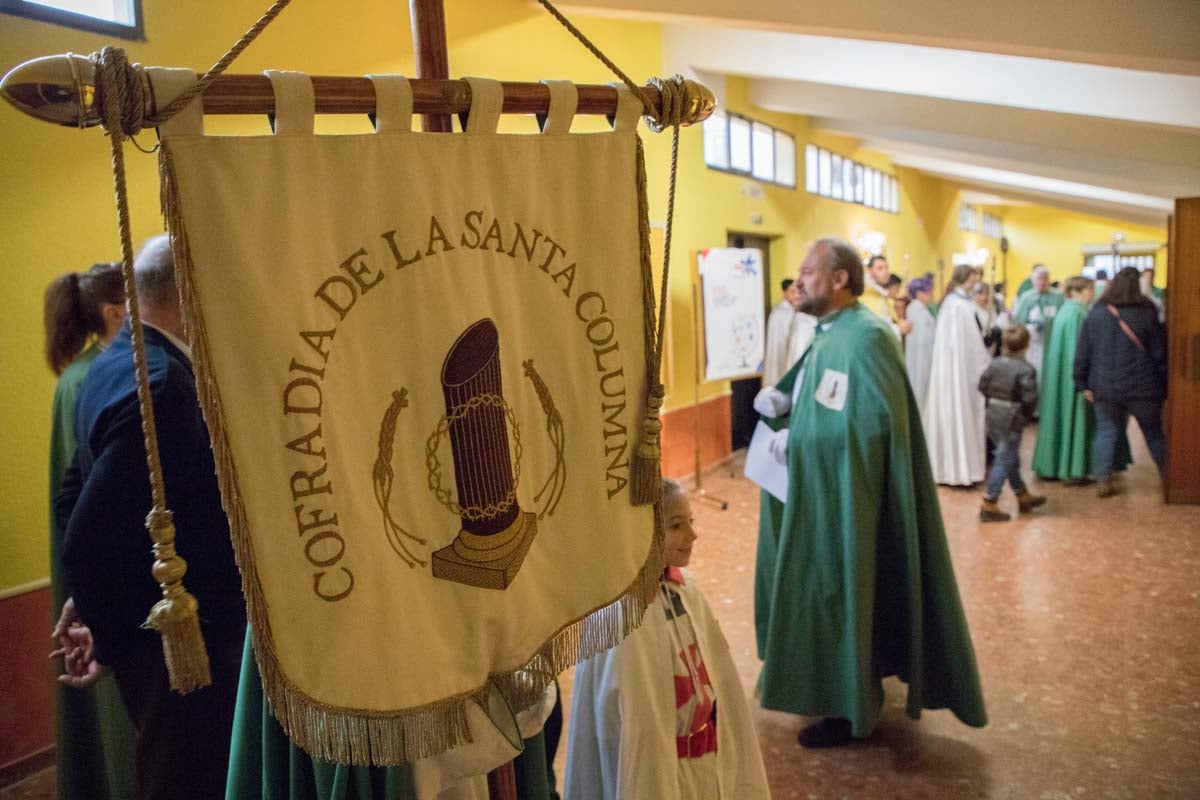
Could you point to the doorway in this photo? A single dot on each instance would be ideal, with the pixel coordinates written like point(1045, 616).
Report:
point(742, 392)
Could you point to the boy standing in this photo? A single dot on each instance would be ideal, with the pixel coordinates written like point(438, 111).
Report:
point(1011, 388)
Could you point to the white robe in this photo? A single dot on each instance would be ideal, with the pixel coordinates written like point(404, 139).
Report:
point(804, 327)
point(953, 416)
point(775, 361)
point(622, 735)
point(918, 350)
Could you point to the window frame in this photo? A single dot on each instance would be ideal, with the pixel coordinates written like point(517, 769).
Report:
point(83, 22)
point(870, 188)
point(751, 124)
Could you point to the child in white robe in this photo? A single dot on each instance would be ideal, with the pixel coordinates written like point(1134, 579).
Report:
point(663, 715)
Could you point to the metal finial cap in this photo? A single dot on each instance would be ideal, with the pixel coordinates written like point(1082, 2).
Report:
point(59, 89)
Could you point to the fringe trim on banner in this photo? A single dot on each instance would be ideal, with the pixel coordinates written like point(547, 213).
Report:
point(645, 474)
point(386, 738)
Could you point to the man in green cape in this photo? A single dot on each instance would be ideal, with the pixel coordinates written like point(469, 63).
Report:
point(1035, 309)
point(1066, 423)
point(862, 583)
point(1066, 420)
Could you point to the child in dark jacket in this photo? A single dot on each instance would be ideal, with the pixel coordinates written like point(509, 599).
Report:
point(1011, 388)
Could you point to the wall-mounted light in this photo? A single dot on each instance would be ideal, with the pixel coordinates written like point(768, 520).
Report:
point(871, 243)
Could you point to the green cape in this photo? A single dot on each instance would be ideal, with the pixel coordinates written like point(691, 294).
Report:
point(263, 762)
point(770, 518)
point(863, 585)
point(1027, 301)
point(94, 739)
point(1066, 422)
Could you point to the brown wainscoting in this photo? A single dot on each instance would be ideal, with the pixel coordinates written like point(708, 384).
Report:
point(679, 436)
point(26, 682)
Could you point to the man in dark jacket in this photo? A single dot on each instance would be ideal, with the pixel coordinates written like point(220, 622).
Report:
point(1010, 385)
point(1121, 368)
point(183, 740)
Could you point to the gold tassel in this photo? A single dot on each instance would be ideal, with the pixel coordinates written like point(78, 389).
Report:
point(176, 617)
point(645, 481)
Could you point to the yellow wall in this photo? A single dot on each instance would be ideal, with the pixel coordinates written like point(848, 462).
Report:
point(1055, 237)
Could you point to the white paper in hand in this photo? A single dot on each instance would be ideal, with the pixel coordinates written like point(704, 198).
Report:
point(761, 466)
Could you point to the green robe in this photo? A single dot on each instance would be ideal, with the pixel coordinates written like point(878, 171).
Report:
point(863, 584)
point(1025, 286)
point(263, 762)
point(770, 518)
point(1066, 422)
point(1030, 300)
point(1027, 301)
point(94, 739)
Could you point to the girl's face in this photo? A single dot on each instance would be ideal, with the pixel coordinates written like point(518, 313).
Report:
point(680, 534)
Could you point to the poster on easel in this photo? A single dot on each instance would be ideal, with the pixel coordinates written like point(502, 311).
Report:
point(731, 287)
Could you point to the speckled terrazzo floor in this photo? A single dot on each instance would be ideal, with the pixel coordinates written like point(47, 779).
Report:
point(1086, 622)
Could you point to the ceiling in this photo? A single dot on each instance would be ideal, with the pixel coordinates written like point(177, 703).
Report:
point(1092, 106)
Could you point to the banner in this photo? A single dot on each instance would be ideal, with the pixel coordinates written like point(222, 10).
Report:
point(423, 361)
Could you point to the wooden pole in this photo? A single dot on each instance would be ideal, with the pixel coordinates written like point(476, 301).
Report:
point(431, 52)
point(433, 61)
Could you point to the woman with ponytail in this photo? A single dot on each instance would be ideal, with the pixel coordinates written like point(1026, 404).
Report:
point(95, 739)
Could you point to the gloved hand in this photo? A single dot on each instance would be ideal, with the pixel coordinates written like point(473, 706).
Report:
point(777, 446)
point(770, 402)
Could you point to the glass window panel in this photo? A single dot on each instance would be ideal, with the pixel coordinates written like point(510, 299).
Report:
point(739, 144)
point(826, 186)
point(118, 11)
point(810, 168)
point(869, 187)
point(858, 183)
point(716, 141)
point(785, 159)
point(878, 189)
point(848, 180)
point(763, 139)
point(837, 177)
point(895, 207)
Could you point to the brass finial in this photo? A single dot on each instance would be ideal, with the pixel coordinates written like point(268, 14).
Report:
point(59, 89)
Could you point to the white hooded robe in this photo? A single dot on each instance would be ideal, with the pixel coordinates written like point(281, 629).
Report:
point(953, 415)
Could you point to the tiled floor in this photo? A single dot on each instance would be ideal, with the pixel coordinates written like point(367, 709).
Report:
point(1086, 622)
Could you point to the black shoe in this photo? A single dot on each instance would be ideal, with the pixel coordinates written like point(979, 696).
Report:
point(829, 732)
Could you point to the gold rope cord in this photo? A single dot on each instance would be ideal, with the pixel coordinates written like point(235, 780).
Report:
point(646, 474)
point(175, 617)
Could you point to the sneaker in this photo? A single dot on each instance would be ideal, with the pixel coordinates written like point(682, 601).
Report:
point(1106, 489)
point(990, 512)
point(1027, 501)
point(829, 732)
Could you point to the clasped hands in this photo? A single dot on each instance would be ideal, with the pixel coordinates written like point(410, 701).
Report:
point(74, 640)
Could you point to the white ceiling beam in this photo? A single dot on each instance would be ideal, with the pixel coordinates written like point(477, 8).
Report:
point(999, 80)
point(1155, 35)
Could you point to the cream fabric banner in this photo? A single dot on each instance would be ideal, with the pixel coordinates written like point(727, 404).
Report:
point(423, 362)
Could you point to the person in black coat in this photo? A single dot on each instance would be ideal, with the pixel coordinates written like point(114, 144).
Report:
point(183, 740)
point(1121, 368)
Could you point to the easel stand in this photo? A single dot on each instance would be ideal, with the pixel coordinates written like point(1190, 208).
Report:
point(698, 489)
